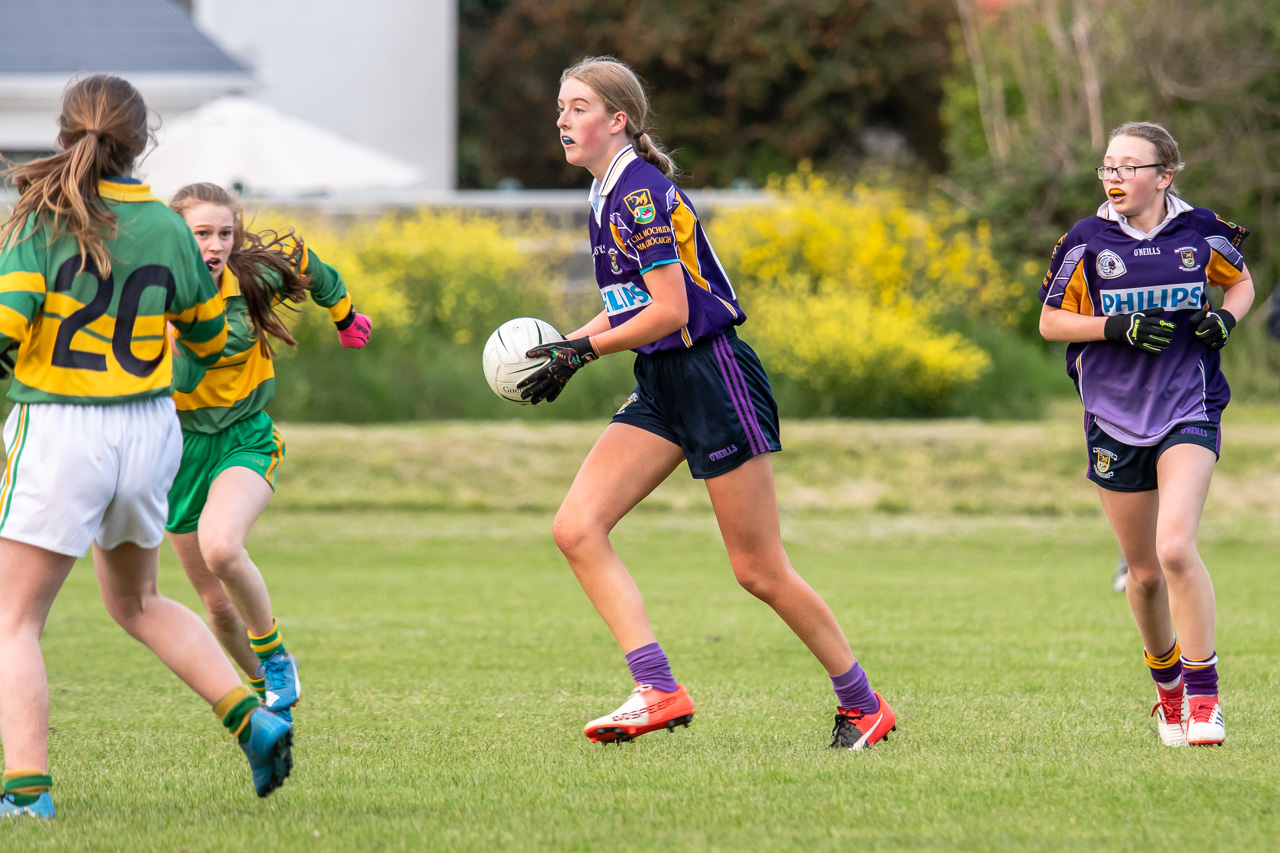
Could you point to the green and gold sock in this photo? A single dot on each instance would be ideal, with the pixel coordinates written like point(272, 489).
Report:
point(259, 686)
point(235, 709)
point(267, 645)
point(26, 786)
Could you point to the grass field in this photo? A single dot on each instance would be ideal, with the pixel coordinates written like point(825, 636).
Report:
point(450, 660)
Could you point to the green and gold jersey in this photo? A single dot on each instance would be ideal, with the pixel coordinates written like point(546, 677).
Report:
point(242, 381)
point(88, 339)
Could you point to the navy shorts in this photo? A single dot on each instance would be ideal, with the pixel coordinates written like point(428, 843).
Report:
point(712, 399)
point(1122, 467)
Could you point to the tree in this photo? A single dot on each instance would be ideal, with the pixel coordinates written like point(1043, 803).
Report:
point(741, 89)
point(1039, 86)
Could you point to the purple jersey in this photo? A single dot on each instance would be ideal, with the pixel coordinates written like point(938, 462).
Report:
point(1104, 266)
point(640, 220)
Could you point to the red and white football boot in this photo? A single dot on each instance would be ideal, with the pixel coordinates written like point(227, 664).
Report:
point(1205, 726)
point(1171, 712)
point(646, 710)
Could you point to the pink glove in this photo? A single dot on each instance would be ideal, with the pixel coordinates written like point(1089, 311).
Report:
point(353, 332)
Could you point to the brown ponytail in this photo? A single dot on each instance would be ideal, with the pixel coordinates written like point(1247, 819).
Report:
point(621, 91)
point(254, 257)
point(103, 130)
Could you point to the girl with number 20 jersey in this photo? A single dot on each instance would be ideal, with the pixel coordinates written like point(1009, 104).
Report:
point(92, 268)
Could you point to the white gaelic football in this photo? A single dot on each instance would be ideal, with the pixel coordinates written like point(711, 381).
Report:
point(505, 364)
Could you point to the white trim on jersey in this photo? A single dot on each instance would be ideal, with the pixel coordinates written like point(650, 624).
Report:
point(611, 175)
point(1174, 207)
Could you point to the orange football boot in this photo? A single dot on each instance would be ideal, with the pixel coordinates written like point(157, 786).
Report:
point(856, 730)
point(646, 710)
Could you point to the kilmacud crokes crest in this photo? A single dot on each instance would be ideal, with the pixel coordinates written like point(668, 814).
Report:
point(1188, 257)
point(1110, 265)
point(641, 206)
point(1102, 462)
point(613, 262)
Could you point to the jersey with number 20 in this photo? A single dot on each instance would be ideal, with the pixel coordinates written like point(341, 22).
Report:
point(89, 339)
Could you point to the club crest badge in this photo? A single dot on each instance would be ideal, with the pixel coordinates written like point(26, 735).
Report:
point(1102, 462)
point(613, 262)
point(641, 206)
point(1110, 265)
point(1188, 258)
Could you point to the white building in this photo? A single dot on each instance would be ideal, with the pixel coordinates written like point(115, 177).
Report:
point(152, 43)
point(381, 72)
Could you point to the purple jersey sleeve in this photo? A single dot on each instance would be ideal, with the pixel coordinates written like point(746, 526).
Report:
point(1224, 238)
point(643, 226)
point(1064, 285)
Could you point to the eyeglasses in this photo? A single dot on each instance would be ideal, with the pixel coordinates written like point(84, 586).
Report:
point(1124, 172)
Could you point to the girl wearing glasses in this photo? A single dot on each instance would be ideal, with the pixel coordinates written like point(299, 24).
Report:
point(1128, 290)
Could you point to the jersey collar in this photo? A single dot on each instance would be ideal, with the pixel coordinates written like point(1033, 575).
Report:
point(599, 190)
point(229, 285)
point(125, 192)
point(1174, 207)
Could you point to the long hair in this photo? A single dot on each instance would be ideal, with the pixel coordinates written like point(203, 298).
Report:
point(1166, 146)
point(621, 91)
point(103, 129)
point(254, 257)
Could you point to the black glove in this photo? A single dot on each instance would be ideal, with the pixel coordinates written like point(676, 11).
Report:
point(6, 361)
point(1213, 327)
point(567, 358)
point(1140, 330)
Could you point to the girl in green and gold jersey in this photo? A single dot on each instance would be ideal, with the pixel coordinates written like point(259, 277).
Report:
point(231, 447)
point(93, 269)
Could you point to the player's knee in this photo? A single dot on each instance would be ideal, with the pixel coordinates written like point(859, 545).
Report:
point(127, 611)
point(223, 618)
point(759, 578)
point(571, 533)
point(1145, 581)
point(1178, 554)
point(221, 553)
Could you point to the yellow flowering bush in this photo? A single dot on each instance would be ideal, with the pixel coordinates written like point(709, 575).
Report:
point(846, 286)
point(452, 274)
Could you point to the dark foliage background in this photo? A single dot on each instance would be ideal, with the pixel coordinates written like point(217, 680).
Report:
point(742, 89)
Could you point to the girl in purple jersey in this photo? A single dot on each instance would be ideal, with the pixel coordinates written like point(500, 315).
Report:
point(701, 395)
point(1128, 290)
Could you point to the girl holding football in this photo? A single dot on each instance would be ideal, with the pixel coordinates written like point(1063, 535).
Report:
point(92, 267)
point(231, 447)
point(701, 396)
point(1128, 290)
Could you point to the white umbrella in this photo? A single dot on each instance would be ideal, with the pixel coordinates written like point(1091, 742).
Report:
point(234, 140)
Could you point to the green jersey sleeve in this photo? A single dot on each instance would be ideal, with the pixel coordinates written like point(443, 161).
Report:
point(22, 284)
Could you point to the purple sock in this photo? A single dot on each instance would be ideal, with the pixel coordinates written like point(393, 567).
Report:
point(854, 692)
point(1201, 676)
point(649, 666)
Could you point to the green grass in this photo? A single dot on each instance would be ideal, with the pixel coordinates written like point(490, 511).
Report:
point(450, 660)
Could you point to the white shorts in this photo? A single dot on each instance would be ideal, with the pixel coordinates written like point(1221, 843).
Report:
point(74, 474)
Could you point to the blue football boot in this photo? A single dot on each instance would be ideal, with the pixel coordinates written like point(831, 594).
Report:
point(269, 750)
point(42, 807)
point(283, 688)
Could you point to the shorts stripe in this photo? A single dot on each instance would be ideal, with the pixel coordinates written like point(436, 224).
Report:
point(276, 456)
point(11, 464)
point(733, 393)
point(737, 385)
